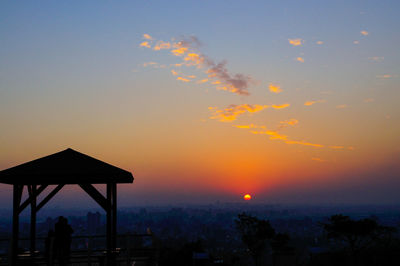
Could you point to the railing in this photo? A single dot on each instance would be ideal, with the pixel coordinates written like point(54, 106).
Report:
point(88, 249)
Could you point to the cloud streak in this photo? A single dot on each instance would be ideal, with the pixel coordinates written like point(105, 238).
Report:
point(296, 42)
point(309, 103)
point(231, 113)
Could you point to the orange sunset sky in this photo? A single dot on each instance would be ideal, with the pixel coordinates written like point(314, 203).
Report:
point(289, 101)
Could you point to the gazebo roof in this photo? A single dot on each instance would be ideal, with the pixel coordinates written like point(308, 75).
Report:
point(65, 167)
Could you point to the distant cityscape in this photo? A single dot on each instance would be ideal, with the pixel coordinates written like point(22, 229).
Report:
point(211, 225)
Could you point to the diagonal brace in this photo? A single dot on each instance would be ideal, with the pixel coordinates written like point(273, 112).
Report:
point(31, 197)
point(96, 195)
point(49, 196)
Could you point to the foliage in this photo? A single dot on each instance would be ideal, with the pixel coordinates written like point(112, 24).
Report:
point(357, 234)
point(255, 233)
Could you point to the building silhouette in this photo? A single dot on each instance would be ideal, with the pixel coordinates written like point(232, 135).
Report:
point(93, 223)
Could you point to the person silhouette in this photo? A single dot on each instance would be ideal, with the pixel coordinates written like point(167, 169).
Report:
point(63, 232)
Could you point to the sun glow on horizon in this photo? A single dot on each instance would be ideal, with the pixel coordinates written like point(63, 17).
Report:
point(247, 197)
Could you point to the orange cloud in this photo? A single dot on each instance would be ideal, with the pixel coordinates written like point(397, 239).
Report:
point(188, 49)
point(183, 79)
point(342, 106)
point(202, 81)
point(194, 59)
point(161, 45)
point(231, 113)
point(296, 42)
point(174, 72)
point(180, 51)
point(290, 122)
point(300, 59)
point(274, 88)
point(304, 143)
point(320, 42)
point(386, 76)
point(147, 36)
point(150, 64)
point(282, 106)
point(364, 32)
point(337, 147)
point(309, 103)
point(249, 126)
point(356, 42)
point(145, 44)
point(275, 135)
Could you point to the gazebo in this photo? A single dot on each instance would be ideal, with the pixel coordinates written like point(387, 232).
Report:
point(67, 167)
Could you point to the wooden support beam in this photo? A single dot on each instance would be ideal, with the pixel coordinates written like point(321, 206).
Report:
point(33, 194)
point(114, 215)
point(109, 225)
point(17, 195)
point(28, 200)
point(96, 195)
point(49, 196)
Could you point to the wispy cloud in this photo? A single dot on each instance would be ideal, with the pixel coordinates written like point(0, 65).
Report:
point(183, 79)
point(274, 88)
point(356, 42)
point(280, 106)
point(341, 106)
point(276, 135)
point(304, 143)
point(237, 83)
point(300, 59)
point(202, 81)
point(145, 44)
point(173, 72)
point(147, 37)
point(154, 65)
point(364, 32)
point(231, 113)
point(385, 76)
point(337, 147)
point(296, 42)
point(250, 126)
point(161, 45)
point(309, 103)
point(290, 122)
point(320, 42)
point(376, 58)
point(187, 49)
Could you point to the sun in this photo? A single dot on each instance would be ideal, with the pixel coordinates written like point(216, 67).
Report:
point(247, 197)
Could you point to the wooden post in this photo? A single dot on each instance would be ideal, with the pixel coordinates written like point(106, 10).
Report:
point(32, 192)
point(114, 216)
point(109, 223)
point(17, 193)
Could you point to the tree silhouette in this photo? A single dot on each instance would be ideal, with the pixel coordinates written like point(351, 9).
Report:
point(357, 234)
point(255, 234)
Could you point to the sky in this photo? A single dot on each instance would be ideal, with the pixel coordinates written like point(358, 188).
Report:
point(205, 101)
